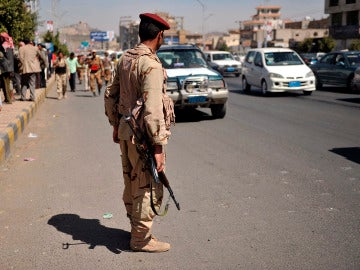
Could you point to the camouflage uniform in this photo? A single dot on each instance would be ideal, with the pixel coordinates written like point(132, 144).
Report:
point(139, 75)
point(62, 73)
point(96, 70)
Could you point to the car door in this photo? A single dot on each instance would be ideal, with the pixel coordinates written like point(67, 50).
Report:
point(248, 67)
point(257, 73)
point(324, 68)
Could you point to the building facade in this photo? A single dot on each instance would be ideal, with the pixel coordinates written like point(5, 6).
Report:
point(344, 21)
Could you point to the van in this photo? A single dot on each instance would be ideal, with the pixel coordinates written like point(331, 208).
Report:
point(276, 70)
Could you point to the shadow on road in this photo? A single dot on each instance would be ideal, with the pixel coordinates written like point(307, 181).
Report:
point(91, 232)
point(350, 153)
point(351, 100)
point(191, 115)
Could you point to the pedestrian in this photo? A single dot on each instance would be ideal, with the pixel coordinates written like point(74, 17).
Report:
point(50, 63)
point(62, 72)
point(107, 63)
point(81, 69)
point(139, 78)
point(43, 64)
point(29, 56)
point(7, 66)
point(17, 70)
point(96, 72)
point(73, 65)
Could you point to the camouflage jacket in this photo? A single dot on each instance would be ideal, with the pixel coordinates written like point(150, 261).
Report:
point(139, 76)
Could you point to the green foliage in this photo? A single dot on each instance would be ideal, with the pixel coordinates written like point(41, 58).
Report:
point(58, 46)
point(16, 20)
point(355, 45)
point(327, 44)
point(306, 45)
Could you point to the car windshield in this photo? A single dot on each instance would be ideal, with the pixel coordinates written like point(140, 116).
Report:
point(282, 59)
point(354, 59)
point(181, 58)
point(223, 56)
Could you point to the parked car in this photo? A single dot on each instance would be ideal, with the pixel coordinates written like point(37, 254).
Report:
point(276, 70)
point(191, 81)
point(224, 62)
point(355, 86)
point(309, 58)
point(337, 69)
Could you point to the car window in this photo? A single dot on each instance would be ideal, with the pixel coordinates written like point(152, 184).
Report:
point(282, 58)
point(250, 57)
point(354, 59)
point(222, 56)
point(328, 59)
point(181, 59)
point(258, 60)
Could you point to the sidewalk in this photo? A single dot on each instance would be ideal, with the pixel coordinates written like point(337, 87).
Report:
point(15, 117)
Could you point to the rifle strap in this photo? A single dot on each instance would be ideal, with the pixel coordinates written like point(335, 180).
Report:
point(152, 203)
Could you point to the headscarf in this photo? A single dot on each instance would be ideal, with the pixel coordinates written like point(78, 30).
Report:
point(8, 43)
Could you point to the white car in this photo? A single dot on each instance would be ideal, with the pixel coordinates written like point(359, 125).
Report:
point(224, 62)
point(277, 70)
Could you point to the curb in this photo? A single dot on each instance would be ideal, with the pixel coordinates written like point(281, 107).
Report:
point(17, 126)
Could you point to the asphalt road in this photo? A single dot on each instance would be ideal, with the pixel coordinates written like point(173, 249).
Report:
point(273, 185)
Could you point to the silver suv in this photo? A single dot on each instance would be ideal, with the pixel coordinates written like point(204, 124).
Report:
point(191, 82)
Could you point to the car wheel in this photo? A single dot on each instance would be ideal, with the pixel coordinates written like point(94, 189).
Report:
point(264, 88)
point(218, 110)
point(351, 84)
point(319, 84)
point(245, 86)
point(307, 93)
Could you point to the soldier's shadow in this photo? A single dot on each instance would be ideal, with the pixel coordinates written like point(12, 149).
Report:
point(91, 232)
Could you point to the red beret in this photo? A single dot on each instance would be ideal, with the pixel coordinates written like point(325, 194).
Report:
point(157, 19)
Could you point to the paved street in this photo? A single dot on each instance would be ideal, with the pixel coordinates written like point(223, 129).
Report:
point(273, 185)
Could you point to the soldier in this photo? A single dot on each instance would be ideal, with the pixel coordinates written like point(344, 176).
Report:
point(96, 71)
point(107, 63)
point(139, 78)
point(62, 72)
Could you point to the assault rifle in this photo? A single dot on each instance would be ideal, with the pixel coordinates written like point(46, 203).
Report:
point(146, 151)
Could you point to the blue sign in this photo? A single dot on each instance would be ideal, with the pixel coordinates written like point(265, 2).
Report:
point(99, 36)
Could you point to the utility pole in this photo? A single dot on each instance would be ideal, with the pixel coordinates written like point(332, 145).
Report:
point(203, 21)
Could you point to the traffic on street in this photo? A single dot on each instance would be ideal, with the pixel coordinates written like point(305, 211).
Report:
point(274, 184)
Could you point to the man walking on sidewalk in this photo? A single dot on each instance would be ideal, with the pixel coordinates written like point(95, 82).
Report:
point(29, 56)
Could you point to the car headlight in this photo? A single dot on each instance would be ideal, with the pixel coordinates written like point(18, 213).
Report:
point(275, 75)
point(309, 74)
point(171, 86)
point(216, 84)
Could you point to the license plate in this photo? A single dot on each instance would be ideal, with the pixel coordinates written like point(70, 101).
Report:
point(294, 84)
point(230, 69)
point(196, 99)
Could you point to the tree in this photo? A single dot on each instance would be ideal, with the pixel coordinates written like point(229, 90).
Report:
point(355, 45)
point(16, 20)
point(306, 45)
point(327, 44)
point(221, 45)
point(58, 46)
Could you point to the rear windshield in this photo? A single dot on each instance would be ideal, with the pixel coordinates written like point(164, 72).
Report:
point(223, 56)
point(181, 59)
point(282, 59)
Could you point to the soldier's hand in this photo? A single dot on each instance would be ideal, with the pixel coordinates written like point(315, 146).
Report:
point(115, 135)
point(159, 158)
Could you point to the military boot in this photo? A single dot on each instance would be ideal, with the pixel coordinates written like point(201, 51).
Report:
point(152, 245)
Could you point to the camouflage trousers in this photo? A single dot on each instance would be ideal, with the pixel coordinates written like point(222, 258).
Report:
point(61, 83)
point(80, 73)
point(107, 75)
point(136, 195)
point(95, 78)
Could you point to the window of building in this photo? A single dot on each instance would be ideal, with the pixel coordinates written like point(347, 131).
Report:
point(336, 19)
point(352, 17)
point(350, 1)
point(334, 3)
